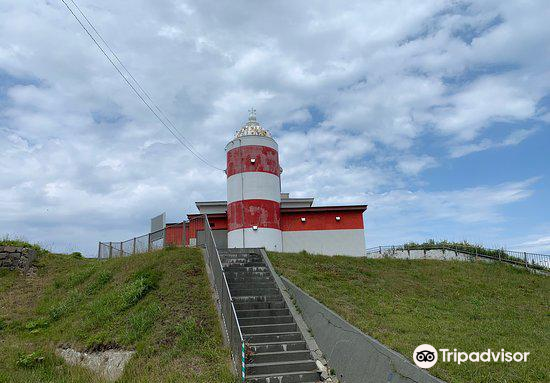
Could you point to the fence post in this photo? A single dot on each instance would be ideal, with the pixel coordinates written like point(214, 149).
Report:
point(164, 238)
point(110, 249)
point(134, 246)
point(380, 247)
point(500, 256)
point(99, 251)
point(525, 259)
point(149, 242)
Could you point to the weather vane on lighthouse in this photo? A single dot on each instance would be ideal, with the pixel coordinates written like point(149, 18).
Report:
point(251, 114)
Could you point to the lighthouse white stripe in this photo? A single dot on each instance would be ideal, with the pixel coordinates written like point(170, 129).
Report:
point(252, 140)
point(256, 185)
point(271, 239)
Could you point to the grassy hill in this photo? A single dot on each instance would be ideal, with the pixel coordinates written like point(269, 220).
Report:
point(448, 304)
point(157, 304)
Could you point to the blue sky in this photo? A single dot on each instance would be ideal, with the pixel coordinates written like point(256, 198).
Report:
point(436, 115)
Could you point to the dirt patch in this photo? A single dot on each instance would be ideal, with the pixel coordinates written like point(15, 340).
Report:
point(109, 364)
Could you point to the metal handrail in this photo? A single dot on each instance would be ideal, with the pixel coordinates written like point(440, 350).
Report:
point(228, 312)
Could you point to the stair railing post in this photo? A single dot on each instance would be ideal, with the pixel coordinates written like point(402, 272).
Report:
point(525, 259)
point(134, 246)
point(149, 242)
point(110, 249)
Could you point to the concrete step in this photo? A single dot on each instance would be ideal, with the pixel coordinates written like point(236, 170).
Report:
point(250, 279)
point(241, 269)
point(252, 339)
point(234, 265)
point(293, 377)
point(241, 259)
point(278, 347)
point(269, 328)
point(254, 305)
point(252, 285)
point(254, 292)
point(263, 298)
point(279, 357)
point(247, 274)
point(265, 320)
point(262, 313)
point(231, 263)
point(284, 367)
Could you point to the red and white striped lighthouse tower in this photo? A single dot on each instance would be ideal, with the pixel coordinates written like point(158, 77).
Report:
point(253, 188)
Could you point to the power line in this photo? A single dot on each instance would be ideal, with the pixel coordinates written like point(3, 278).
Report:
point(133, 78)
point(175, 132)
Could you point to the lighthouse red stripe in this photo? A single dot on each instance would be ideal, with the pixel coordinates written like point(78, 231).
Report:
point(266, 160)
point(253, 212)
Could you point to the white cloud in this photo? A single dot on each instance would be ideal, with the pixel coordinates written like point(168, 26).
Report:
point(470, 214)
point(514, 138)
point(412, 165)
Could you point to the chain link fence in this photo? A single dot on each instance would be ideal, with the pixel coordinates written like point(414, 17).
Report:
point(142, 244)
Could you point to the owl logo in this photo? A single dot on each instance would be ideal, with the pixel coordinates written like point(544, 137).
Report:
point(425, 356)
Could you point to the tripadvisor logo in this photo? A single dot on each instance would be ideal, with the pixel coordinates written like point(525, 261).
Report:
point(426, 356)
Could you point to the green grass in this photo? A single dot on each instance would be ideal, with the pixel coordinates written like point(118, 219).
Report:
point(471, 306)
point(157, 304)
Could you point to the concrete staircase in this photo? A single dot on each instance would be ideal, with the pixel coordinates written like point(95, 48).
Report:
point(276, 350)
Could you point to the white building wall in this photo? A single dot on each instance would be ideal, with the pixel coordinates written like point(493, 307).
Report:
point(326, 242)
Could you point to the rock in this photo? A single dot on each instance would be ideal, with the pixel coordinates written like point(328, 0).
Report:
point(3, 256)
point(10, 249)
point(109, 364)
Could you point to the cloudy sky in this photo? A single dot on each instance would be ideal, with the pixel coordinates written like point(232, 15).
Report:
point(434, 113)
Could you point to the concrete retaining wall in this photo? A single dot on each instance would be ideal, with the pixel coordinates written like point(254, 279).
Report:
point(16, 257)
point(442, 255)
point(356, 357)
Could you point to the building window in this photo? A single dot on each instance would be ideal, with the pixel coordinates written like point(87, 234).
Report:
point(303, 219)
point(338, 218)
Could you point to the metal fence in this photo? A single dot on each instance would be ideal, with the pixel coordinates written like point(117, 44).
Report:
point(529, 260)
point(142, 244)
point(229, 315)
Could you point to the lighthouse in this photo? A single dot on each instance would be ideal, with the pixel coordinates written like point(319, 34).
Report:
point(256, 213)
point(253, 188)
